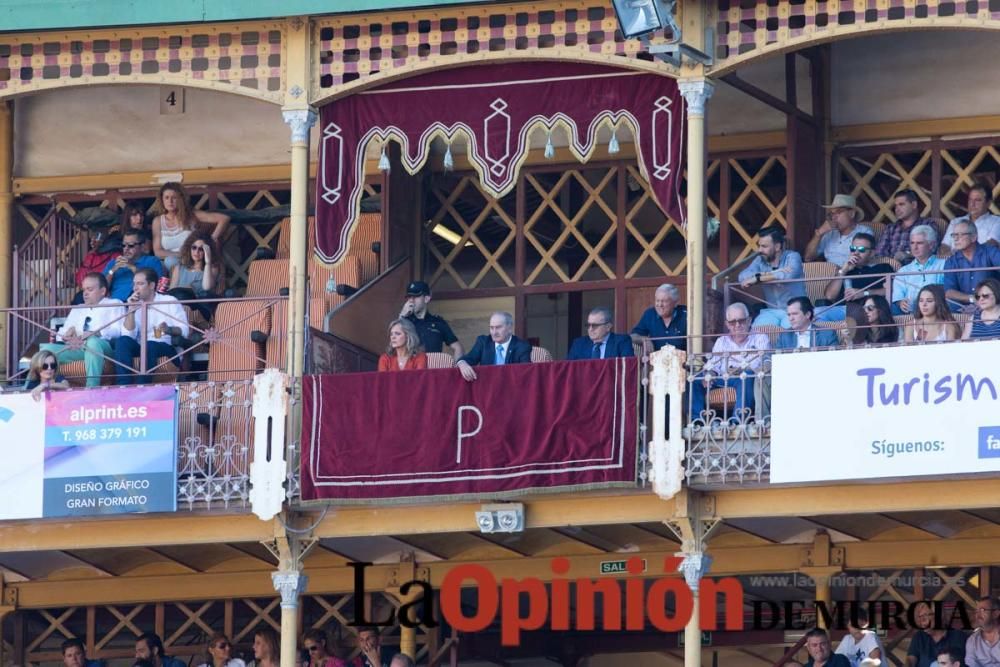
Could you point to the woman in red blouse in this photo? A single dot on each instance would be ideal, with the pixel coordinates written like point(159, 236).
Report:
point(404, 352)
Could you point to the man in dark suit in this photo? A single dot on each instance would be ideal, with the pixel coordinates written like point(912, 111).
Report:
point(804, 333)
point(600, 342)
point(500, 348)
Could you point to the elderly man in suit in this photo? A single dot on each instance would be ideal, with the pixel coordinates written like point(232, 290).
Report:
point(500, 348)
point(600, 342)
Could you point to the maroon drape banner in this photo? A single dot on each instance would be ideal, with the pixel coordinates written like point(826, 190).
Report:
point(370, 437)
point(494, 109)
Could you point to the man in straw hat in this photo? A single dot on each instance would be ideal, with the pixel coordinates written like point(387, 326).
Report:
point(833, 238)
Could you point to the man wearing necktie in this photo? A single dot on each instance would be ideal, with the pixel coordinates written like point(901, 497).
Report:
point(500, 348)
point(600, 342)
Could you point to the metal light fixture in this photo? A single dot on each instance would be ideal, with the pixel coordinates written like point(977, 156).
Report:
point(505, 518)
point(641, 17)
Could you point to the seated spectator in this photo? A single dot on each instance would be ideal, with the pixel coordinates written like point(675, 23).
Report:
point(149, 647)
point(165, 317)
point(175, 220)
point(820, 653)
point(928, 642)
point(986, 320)
point(314, 642)
point(119, 271)
point(74, 653)
point(133, 217)
point(982, 649)
point(832, 239)
point(881, 327)
point(500, 348)
point(405, 353)
point(858, 277)
point(664, 323)
point(859, 643)
point(933, 320)
point(949, 658)
point(401, 660)
point(198, 273)
point(895, 241)
point(923, 270)
point(220, 651)
point(97, 257)
point(370, 647)
point(850, 334)
point(266, 648)
point(600, 342)
point(43, 375)
point(987, 224)
point(736, 357)
point(774, 263)
point(969, 254)
point(97, 322)
point(804, 333)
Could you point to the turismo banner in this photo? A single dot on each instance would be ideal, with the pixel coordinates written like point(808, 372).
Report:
point(516, 429)
point(886, 412)
point(92, 452)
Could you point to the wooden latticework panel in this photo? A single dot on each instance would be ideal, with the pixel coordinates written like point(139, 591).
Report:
point(940, 172)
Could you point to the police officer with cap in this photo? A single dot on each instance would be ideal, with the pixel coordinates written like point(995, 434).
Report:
point(434, 331)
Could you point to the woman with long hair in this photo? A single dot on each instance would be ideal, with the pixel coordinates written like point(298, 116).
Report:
point(856, 317)
point(986, 320)
point(266, 648)
point(220, 652)
point(175, 220)
point(43, 375)
point(134, 218)
point(932, 319)
point(314, 643)
point(199, 267)
point(881, 325)
point(404, 352)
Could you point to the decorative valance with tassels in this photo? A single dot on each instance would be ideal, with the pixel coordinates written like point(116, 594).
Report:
point(494, 109)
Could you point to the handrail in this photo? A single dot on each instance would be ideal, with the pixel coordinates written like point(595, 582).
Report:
point(725, 273)
point(362, 318)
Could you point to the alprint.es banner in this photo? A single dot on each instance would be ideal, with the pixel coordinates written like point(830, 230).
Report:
point(89, 452)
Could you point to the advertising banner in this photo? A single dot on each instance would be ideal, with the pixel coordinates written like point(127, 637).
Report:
point(430, 434)
point(887, 412)
point(93, 452)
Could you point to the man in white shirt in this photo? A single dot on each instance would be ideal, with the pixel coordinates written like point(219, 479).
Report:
point(982, 649)
point(89, 329)
point(735, 359)
point(151, 317)
point(860, 644)
point(987, 224)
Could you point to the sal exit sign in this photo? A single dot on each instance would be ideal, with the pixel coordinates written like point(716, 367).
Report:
point(617, 566)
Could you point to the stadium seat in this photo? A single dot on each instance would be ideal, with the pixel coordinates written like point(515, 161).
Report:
point(540, 355)
point(440, 360)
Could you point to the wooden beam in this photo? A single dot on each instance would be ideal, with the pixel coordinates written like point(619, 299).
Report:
point(767, 98)
point(941, 127)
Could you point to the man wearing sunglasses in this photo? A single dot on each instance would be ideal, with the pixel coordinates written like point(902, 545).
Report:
point(736, 357)
point(600, 342)
point(120, 271)
point(89, 329)
point(858, 277)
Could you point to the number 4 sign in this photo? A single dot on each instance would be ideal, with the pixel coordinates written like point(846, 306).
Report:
point(171, 100)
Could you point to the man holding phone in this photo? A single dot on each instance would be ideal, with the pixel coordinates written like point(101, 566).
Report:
point(120, 271)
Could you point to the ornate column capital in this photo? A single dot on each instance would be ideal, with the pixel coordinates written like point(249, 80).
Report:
point(289, 584)
point(696, 93)
point(300, 120)
point(694, 566)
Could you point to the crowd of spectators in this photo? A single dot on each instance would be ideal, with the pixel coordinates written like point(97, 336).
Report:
point(315, 651)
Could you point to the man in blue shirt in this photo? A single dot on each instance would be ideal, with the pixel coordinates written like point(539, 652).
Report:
point(969, 254)
point(120, 271)
point(665, 322)
point(600, 342)
point(772, 264)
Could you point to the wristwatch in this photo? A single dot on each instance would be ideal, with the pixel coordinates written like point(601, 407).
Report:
point(972, 298)
point(867, 293)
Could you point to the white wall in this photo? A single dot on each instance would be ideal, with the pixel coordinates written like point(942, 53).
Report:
point(108, 129)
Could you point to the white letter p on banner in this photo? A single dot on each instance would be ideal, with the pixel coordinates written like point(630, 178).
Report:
point(461, 435)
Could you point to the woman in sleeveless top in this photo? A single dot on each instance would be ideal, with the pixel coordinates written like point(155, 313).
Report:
point(175, 220)
point(986, 322)
point(933, 321)
point(199, 273)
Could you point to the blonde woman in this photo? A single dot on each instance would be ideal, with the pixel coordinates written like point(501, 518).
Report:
point(175, 220)
point(220, 652)
point(43, 375)
point(404, 352)
point(933, 321)
point(266, 651)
